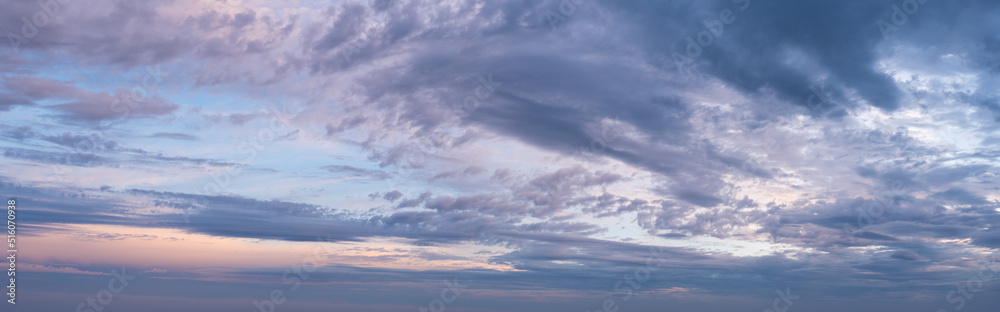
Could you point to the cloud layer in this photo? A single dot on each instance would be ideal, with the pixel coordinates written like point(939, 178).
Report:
point(537, 151)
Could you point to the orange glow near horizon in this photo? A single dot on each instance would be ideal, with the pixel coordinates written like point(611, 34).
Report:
point(175, 249)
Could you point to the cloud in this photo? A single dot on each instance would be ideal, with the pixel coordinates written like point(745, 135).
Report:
point(31, 267)
point(358, 172)
point(175, 136)
point(961, 196)
point(905, 255)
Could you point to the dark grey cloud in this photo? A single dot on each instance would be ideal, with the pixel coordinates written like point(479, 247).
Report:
point(961, 196)
point(346, 20)
point(62, 158)
point(356, 172)
point(76, 104)
point(905, 255)
point(86, 155)
point(175, 136)
point(392, 196)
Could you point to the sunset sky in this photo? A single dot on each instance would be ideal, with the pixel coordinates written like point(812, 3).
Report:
point(510, 155)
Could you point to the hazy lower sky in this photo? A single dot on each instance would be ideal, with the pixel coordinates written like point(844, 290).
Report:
point(477, 156)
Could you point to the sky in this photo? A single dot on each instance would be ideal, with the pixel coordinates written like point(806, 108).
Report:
point(509, 155)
